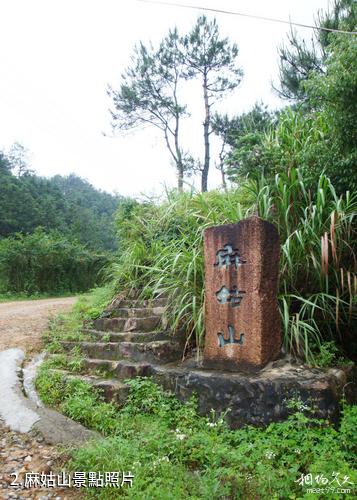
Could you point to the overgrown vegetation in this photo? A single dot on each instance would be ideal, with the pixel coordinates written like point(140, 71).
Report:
point(47, 263)
point(174, 453)
point(162, 253)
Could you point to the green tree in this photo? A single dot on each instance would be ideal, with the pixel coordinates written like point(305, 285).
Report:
point(299, 58)
point(47, 262)
point(18, 157)
point(149, 95)
point(213, 59)
point(241, 140)
point(334, 97)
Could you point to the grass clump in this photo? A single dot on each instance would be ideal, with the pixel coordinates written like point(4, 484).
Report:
point(162, 254)
point(175, 453)
point(68, 326)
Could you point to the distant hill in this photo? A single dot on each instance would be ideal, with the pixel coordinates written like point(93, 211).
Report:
point(69, 204)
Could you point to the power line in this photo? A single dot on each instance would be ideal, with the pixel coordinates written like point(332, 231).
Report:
point(252, 16)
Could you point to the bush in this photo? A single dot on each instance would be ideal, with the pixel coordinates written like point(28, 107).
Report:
point(47, 263)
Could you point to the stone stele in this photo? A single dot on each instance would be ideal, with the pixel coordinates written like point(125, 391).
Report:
point(242, 318)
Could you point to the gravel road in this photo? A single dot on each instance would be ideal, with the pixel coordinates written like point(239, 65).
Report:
point(23, 322)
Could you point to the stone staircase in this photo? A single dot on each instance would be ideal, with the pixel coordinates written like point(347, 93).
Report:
point(129, 340)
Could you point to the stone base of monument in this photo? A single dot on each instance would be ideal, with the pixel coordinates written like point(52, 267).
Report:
point(125, 342)
point(262, 397)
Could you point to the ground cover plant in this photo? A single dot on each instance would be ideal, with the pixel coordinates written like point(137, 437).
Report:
point(162, 254)
point(174, 453)
point(68, 327)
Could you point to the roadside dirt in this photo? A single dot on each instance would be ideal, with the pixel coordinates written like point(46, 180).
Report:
point(21, 325)
point(23, 322)
point(23, 457)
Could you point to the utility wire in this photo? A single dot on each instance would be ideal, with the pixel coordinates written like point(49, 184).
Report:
point(252, 16)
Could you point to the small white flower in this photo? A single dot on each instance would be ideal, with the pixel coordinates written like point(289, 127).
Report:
point(211, 424)
point(297, 451)
point(180, 437)
point(270, 455)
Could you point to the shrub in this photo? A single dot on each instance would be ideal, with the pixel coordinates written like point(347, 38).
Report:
point(47, 263)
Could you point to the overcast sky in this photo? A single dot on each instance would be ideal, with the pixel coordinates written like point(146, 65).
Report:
point(57, 57)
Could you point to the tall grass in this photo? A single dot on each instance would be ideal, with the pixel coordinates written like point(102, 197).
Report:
point(318, 283)
point(163, 255)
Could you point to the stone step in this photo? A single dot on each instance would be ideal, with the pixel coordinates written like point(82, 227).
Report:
point(159, 351)
point(121, 369)
point(140, 303)
point(111, 389)
point(147, 324)
point(108, 336)
point(134, 312)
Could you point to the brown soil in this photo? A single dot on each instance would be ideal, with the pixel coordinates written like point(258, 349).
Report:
point(22, 454)
point(23, 322)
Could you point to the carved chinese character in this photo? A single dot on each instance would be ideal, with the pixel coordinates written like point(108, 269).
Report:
point(233, 296)
point(231, 340)
point(226, 256)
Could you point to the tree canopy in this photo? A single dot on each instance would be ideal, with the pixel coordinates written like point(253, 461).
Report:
point(69, 205)
point(299, 58)
point(149, 92)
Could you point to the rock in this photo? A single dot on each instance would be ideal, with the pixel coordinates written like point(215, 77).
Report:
point(241, 281)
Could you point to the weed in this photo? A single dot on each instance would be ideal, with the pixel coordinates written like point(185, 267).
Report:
point(175, 453)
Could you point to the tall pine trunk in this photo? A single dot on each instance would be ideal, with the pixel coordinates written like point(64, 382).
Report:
point(179, 163)
point(206, 123)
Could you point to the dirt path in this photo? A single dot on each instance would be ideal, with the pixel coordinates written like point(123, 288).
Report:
point(23, 322)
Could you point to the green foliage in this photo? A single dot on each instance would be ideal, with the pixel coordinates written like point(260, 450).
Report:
point(318, 240)
point(318, 134)
point(300, 139)
point(175, 453)
point(163, 254)
point(328, 355)
point(162, 251)
point(334, 97)
point(69, 205)
point(242, 138)
point(299, 59)
point(47, 263)
point(348, 432)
